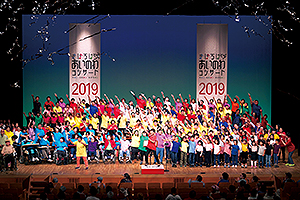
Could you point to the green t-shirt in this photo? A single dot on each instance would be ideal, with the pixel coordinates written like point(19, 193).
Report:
point(38, 120)
point(142, 139)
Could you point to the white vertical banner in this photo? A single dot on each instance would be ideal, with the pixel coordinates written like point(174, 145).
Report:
point(84, 62)
point(212, 54)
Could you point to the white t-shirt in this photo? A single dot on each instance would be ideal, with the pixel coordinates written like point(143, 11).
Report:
point(261, 150)
point(216, 148)
point(199, 148)
point(208, 147)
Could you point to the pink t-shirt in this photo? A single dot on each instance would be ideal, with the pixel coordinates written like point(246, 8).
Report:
point(124, 145)
point(227, 149)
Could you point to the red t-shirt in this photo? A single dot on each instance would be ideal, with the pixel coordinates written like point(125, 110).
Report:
point(159, 105)
point(108, 110)
point(290, 146)
point(191, 116)
point(151, 145)
point(116, 112)
point(53, 120)
point(180, 117)
point(264, 122)
point(141, 103)
point(47, 120)
point(234, 106)
point(50, 103)
point(74, 107)
point(112, 127)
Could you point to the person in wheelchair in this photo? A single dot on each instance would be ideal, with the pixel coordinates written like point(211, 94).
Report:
point(125, 144)
point(44, 148)
point(72, 147)
point(8, 152)
point(31, 151)
point(92, 149)
point(109, 145)
point(61, 151)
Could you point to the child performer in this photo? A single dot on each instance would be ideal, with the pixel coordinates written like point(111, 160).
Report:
point(254, 149)
point(80, 152)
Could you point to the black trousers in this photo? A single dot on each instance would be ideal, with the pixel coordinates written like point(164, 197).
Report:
point(208, 158)
point(9, 158)
point(134, 153)
point(150, 151)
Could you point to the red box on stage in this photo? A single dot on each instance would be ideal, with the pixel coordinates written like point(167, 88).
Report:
point(152, 169)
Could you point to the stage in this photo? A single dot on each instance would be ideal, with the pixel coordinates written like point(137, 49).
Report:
point(117, 170)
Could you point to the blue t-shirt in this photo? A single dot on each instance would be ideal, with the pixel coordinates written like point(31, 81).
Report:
point(22, 134)
point(61, 145)
point(192, 147)
point(93, 109)
point(57, 136)
point(235, 150)
point(176, 146)
point(40, 133)
point(256, 109)
point(44, 142)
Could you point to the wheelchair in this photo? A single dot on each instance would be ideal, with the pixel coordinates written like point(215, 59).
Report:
point(14, 157)
point(65, 158)
point(94, 157)
point(126, 158)
point(29, 155)
point(108, 156)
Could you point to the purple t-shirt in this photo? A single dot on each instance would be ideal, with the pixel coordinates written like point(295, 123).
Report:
point(276, 148)
point(160, 142)
point(178, 106)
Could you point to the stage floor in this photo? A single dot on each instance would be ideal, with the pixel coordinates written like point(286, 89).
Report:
point(135, 170)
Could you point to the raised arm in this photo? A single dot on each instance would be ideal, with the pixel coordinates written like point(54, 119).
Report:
point(133, 94)
point(206, 99)
point(57, 99)
point(106, 98)
point(33, 98)
point(25, 114)
point(174, 110)
point(68, 98)
point(173, 98)
point(181, 98)
point(238, 99)
point(162, 94)
point(250, 98)
point(143, 95)
point(118, 99)
point(230, 98)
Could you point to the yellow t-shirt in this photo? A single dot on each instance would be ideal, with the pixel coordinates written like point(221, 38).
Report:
point(57, 109)
point(149, 104)
point(135, 142)
point(227, 111)
point(80, 149)
point(8, 134)
point(132, 121)
point(244, 147)
point(276, 136)
point(164, 118)
point(104, 122)
point(123, 121)
point(72, 121)
point(184, 146)
point(77, 121)
point(94, 121)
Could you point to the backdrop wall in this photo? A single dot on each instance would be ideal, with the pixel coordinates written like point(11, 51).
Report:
point(152, 53)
